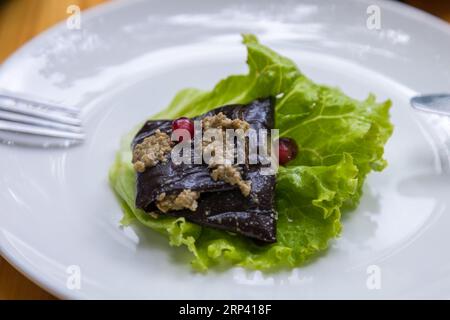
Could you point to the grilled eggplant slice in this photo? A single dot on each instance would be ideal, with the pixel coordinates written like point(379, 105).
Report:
point(220, 205)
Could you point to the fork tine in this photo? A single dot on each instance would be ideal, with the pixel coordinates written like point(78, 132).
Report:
point(13, 97)
point(41, 113)
point(25, 119)
point(34, 130)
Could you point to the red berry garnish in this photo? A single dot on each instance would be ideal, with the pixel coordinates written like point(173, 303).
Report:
point(183, 123)
point(287, 150)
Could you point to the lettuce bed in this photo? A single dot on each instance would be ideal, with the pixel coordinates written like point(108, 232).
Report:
point(340, 141)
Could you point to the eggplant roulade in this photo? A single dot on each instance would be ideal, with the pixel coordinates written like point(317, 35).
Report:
point(231, 197)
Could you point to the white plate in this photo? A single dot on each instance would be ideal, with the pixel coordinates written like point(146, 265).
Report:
point(131, 57)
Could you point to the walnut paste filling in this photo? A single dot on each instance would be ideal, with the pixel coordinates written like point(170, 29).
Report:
point(151, 150)
point(220, 169)
point(221, 121)
point(187, 199)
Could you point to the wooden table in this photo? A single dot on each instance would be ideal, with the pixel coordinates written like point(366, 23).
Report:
point(20, 20)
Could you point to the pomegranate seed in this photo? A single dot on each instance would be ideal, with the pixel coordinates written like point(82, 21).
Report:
point(183, 123)
point(287, 150)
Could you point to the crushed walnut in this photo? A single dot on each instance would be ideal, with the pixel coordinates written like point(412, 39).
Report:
point(231, 175)
point(151, 150)
point(221, 170)
point(221, 121)
point(186, 199)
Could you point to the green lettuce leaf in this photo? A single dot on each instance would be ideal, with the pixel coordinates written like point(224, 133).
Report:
point(340, 141)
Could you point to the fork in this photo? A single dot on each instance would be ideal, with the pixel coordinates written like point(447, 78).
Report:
point(436, 103)
point(440, 105)
point(27, 120)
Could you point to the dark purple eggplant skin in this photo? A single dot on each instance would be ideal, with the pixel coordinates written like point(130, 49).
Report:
point(251, 216)
point(221, 205)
